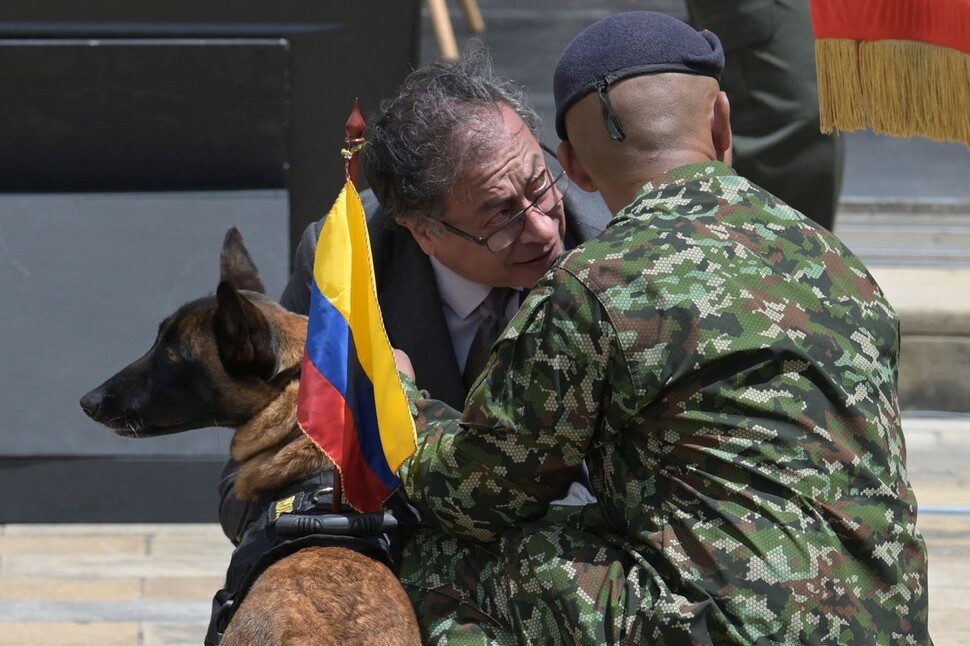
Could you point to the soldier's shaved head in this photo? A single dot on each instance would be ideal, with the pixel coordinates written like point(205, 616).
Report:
point(668, 120)
point(637, 94)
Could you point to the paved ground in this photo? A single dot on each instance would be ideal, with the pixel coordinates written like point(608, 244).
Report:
point(150, 585)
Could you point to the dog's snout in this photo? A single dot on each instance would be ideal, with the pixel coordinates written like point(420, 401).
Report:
point(91, 403)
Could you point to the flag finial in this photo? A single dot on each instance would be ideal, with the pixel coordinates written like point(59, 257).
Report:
point(355, 141)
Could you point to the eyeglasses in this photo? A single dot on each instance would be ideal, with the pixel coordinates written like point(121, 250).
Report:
point(545, 200)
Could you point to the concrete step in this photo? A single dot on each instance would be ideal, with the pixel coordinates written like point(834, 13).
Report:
point(934, 310)
point(924, 233)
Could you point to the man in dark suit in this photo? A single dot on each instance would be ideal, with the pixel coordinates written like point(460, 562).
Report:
point(464, 200)
point(411, 303)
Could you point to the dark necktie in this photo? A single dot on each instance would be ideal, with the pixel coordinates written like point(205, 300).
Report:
point(493, 322)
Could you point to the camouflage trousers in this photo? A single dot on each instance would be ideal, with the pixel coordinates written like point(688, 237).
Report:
point(541, 583)
point(548, 583)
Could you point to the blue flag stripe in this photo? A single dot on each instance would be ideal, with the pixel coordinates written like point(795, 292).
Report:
point(330, 346)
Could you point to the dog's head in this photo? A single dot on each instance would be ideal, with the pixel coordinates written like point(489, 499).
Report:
point(215, 362)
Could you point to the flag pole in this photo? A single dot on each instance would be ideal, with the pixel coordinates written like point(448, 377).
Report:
point(354, 129)
point(355, 141)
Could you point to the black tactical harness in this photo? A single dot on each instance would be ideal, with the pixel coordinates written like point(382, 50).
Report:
point(302, 516)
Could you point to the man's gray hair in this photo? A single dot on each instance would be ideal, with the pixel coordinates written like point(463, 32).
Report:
point(435, 128)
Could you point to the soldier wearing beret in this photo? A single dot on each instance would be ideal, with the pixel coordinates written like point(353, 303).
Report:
point(725, 367)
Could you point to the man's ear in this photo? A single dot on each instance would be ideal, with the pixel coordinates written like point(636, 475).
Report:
point(574, 167)
point(423, 234)
point(721, 128)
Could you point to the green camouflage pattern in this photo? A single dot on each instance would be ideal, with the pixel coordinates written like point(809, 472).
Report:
point(727, 369)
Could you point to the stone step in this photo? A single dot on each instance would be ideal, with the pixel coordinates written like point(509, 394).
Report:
point(925, 233)
point(933, 304)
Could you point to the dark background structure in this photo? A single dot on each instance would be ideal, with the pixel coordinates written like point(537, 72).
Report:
point(132, 136)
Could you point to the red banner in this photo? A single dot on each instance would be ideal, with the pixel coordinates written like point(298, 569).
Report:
point(939, 22)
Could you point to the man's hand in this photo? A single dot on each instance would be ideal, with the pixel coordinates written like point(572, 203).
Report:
point(403, 362)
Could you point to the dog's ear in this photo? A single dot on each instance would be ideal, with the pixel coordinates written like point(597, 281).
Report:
point(236, 266)
point(243, 336)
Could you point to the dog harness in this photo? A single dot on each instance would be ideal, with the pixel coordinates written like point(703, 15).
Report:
point(300, 517)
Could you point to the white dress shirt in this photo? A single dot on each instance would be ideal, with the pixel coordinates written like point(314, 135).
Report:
point(461, 298)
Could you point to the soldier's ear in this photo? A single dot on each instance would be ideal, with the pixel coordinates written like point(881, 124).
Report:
point(721, 128)
point(573, 165)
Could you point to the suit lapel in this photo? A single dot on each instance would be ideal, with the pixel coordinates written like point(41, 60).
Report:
point(413, 315)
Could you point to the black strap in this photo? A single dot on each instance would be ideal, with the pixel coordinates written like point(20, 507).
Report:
point(609, 116)
point(302, 517)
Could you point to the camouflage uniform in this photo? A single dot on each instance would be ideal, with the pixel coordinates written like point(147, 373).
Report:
point(728, 371)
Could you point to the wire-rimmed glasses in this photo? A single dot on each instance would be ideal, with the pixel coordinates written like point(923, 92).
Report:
point(546, 198)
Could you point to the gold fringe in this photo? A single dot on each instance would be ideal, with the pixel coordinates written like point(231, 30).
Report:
point(840, 101)
point(896, 87)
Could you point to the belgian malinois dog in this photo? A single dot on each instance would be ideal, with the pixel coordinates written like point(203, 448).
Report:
point(232, 359)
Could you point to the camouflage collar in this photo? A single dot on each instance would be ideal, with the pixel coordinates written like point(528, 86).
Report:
point(687, 173)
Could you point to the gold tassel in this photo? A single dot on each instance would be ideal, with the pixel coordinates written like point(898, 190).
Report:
point(839, 88)
point(896, 87)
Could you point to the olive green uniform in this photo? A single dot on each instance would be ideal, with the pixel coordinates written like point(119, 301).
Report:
point(727, 369)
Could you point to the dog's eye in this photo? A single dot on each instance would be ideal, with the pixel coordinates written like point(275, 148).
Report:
point(172, 356)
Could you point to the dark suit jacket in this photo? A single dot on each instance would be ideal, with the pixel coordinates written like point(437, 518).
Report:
point(408, 294)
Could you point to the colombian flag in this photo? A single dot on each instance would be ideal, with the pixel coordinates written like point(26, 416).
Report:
point(351, 401)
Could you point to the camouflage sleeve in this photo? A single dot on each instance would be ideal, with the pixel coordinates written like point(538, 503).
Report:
point(528, 419)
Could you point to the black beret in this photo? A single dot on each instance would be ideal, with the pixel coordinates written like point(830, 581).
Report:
point(630, 44)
